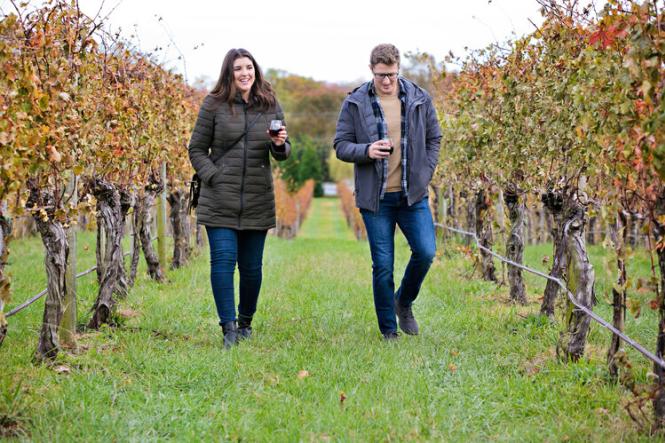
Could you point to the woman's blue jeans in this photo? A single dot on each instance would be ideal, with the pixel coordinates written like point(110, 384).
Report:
point(415, 222)
point(228, 247)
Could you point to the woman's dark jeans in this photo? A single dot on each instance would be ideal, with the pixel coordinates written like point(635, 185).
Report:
point(228, 247)
point(415, 222)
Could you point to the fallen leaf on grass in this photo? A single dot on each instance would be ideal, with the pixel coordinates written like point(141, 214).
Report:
point(128, 313)
point(534, 365)
point(452, 367)
point(62, 369)
point(342, 397)
point(454, 352)
point(302, 374)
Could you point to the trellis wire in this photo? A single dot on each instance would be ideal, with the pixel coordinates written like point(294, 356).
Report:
point(571, 297)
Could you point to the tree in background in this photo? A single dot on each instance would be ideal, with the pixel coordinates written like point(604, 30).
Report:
point(311, 108)
point(303, 164)
point(422, 68)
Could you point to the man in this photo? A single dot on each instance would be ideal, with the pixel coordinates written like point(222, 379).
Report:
point(389, 129)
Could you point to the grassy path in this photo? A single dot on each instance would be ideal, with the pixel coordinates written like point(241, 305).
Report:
point(316, 369)
point(325, 222)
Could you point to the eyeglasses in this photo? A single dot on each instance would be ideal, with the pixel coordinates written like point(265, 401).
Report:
point(383, 75)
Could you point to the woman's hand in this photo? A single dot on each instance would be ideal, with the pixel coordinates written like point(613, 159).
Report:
point(280, 138)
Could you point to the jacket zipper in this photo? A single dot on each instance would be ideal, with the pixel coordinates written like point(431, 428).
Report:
point(244, 169)
point(409, 112)
point(378, 194)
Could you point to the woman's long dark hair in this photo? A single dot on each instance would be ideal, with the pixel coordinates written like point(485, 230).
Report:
point(261, 96)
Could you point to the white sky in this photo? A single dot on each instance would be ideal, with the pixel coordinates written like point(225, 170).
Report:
point(325, 40)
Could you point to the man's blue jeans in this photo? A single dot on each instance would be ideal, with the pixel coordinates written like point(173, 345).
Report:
point(228, 247)
point(416, 223)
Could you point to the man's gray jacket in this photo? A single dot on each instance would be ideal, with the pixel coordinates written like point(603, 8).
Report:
point(357, 129)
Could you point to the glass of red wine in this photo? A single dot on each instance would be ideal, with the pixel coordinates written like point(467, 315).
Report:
point(275, 127)
point(389, 149)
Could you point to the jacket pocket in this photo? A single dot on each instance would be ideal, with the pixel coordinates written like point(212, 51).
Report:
point(218, 175)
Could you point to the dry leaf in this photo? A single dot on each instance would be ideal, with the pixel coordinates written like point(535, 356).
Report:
point(53, 155)
point(62, 369)
point(128, 313)
point(452, 367)
point(342, 397)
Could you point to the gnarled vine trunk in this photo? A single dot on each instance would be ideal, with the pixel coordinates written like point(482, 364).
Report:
point(126, 200)
point(619, 234)
point(484, 233)
point(137, 201)
point(515, 243)
point(591, 230)
point(199, 236)
point(54, 239)
point(580, 278)
point(102, 238)
point(110, 221)
point(180, 227)
point(659, 234)
point(145, 216)
point(470, 215)
point(553, 201)
point(5, 231)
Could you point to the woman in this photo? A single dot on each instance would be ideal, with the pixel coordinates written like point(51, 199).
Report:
point(229, 151)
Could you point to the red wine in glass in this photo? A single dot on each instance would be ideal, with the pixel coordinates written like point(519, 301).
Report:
point(388, 149)
point(275, 127)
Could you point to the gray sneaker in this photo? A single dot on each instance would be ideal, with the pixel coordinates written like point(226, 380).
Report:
point(407, 322)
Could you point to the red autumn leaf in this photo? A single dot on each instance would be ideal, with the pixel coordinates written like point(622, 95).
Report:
point(606, 38)
point(596, 36)
point(640, 106)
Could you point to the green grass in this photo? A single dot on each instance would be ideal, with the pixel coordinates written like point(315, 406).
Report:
point(480, 370)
